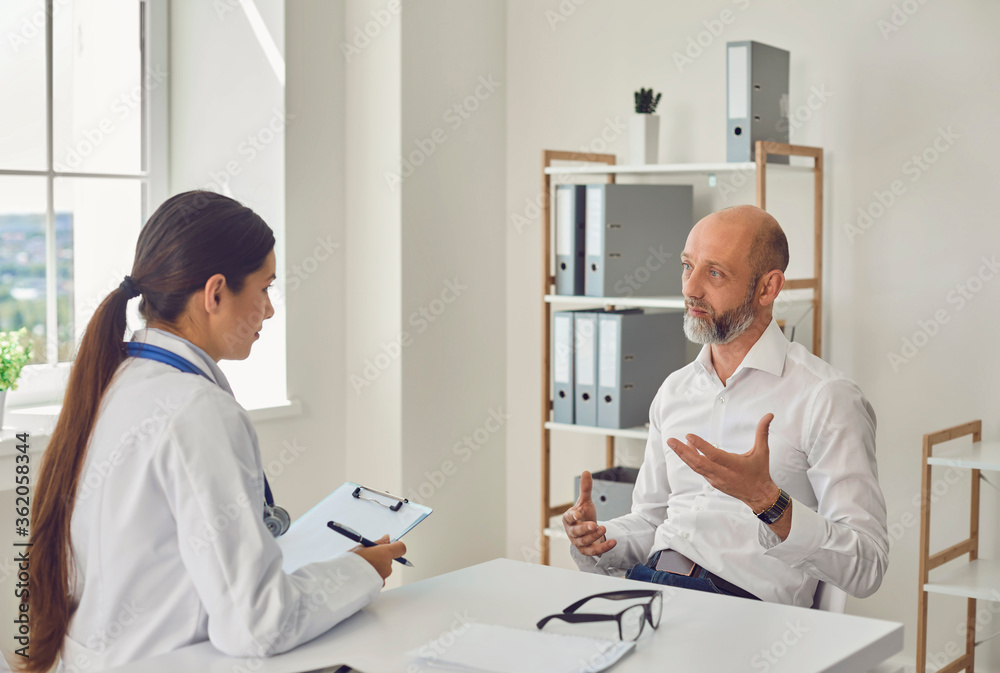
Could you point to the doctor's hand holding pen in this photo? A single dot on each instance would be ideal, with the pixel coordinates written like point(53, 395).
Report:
point(580, 522)
point(381, 555)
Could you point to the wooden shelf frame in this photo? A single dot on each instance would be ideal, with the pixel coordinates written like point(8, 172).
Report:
point(610, 169)
point(929, 562)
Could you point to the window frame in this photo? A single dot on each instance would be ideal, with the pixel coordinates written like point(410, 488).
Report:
point(45, 383)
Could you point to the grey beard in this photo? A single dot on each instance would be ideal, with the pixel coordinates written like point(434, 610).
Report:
point(726, 327)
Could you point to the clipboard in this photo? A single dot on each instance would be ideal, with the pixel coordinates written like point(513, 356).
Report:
point(371, 512)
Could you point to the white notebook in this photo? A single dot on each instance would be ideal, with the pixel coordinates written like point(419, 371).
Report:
point(483, 648)
point(309, 540)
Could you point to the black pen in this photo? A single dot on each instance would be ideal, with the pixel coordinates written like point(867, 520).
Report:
point(352, 534)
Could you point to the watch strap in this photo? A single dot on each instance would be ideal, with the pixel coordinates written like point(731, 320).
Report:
point(774, 512)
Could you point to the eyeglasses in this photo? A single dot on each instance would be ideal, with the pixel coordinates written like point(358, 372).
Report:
point(630, 620)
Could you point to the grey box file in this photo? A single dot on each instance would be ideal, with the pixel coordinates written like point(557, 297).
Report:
point(636, 352)
point(634, 237)
point(756, 100)
point(570, 228)
point(562, 367)
point(612, 493)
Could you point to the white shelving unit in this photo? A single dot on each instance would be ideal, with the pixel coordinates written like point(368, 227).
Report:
point(977, 579)
point(623, 302)
point(979, 456)
point(678, 169)
point(641, 432)
point(606, 165)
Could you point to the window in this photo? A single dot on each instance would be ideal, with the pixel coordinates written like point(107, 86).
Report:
point(82, 160)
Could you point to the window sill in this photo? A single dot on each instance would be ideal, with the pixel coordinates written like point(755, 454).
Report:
point(38, 422)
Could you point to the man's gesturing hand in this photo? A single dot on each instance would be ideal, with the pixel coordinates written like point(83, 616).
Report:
point(745, 476)
point(580, 522)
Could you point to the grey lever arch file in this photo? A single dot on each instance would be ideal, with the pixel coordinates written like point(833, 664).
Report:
point(634, 237)
point(585, 367)
point(756, 100)
point(570, 223)
point(636, 352)
point(562, 367)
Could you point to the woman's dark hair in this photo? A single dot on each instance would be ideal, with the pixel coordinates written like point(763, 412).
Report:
point(189, 238)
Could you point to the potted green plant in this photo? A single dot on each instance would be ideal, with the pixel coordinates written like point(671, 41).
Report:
point(15, 352)
point(644, 128)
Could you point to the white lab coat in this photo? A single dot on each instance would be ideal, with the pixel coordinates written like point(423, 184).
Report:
point(167, 531)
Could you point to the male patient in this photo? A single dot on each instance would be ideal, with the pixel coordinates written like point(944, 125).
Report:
point(759, 475)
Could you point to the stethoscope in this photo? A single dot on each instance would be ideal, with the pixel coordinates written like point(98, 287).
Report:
point(275, 518)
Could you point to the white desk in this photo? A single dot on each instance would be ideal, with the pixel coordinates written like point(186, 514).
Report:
point(698, 631)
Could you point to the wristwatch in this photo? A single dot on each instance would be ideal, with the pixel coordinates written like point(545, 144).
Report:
point(774, 512)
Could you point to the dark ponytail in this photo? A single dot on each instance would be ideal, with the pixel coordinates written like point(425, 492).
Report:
point(189, 238)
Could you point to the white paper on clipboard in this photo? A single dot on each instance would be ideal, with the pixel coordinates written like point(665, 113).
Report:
point(309, 540)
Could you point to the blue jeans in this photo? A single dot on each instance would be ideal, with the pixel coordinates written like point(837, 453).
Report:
point(700, 580)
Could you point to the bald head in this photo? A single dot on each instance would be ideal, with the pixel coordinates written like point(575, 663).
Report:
point(766, 243)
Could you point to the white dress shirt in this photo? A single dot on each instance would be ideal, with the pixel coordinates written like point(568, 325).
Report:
point(167, 532)
point(822, 453)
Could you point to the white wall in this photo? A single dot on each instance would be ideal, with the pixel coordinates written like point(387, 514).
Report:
point(573, 65)
point(425, 328)
point(453, 289)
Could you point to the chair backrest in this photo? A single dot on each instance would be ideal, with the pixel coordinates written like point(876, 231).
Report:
point(829, 598)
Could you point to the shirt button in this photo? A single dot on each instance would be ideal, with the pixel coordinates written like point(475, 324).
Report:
point(700, 508)
point(685, 535)
point(722, 399)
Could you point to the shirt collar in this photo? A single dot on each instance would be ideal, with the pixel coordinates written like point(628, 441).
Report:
point(767, 354)
point(187, 350)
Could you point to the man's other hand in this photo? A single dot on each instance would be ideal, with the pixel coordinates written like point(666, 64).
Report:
point(580, 522)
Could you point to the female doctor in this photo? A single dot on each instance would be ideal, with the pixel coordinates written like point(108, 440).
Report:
point(148, 530)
